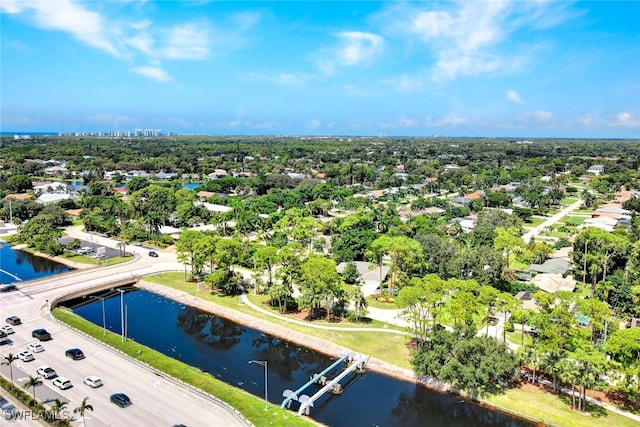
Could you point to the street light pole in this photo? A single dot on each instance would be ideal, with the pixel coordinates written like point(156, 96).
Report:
point(263, 363)
point(104, 323)
point(121, 312)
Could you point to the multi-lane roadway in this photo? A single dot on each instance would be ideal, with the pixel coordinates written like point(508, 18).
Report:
point(157, 400)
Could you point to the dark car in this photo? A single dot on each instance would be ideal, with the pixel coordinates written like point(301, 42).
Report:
point(74, 353)
point(8, 288)
point(153, 254)
point(3, 338)
point(41, 334)
point(14, 320)
point(120, 399)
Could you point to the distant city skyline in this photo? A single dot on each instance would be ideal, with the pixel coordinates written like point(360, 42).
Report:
point(541, 69)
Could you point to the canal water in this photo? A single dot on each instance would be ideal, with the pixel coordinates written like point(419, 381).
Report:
point(224, 348)
point(17, 265)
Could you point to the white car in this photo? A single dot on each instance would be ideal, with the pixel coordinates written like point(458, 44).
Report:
point(47, 372)
point(7, 329)
point(35, 347)
point(26, 356)
point(93, 381)
point(62, 383)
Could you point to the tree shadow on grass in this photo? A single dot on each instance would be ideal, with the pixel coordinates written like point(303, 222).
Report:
point(594, 411)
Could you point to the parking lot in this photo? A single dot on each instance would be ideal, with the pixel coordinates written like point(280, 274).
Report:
point(92, 248)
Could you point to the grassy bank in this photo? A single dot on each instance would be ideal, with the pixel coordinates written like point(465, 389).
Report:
point(548, 408)
point(555, 410)
point(391, 348)
point(248, 405)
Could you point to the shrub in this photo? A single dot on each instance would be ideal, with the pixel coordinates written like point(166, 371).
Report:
point(509, 326)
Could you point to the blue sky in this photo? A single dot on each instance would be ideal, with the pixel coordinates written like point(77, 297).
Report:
point(456, 68)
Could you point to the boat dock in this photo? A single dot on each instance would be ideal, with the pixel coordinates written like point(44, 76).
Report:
point(356, 363)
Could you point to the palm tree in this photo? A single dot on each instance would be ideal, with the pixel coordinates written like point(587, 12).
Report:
point(8, 360)
point(551, 362)
point(359, 302)
point(32, 383)
point(84, 407)
point(57, 407)
point(569, 373)
point(531, 357)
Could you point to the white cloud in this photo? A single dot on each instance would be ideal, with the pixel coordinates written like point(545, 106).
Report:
point(627, 120)
point(541, 115)
point(589, 120)
point(188, 41)
point(65, 15)
point(470, 37)
point(155, 73)
point(354, 48)
point(313, 124)
point(142, 42)
point(512, 95)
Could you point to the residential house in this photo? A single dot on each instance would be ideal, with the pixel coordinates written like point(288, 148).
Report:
point(371, 276)
point(612, 211)
point(596, 169)
point(56, 171)
point(137, 173)
point(204, 195)
point(602, 222)
point(218, 174)
point(401, 175)
point(49, 198)
point(467, 224)
point(551, 282)
point(559, 266)
point(294, 175)
point(40, 187)
point(164, 176)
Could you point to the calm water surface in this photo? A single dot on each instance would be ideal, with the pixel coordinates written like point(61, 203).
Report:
point(16, 265)
point(224, 349)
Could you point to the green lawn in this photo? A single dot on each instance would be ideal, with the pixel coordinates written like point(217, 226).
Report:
point(391, 348)
point(534, 221)
point(574, 220)
point(516, 338)
point(554, 410)
point(569, 200)
point(584, 211)
point(517, 265)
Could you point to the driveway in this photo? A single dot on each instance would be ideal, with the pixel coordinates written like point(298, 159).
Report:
point(535, 231)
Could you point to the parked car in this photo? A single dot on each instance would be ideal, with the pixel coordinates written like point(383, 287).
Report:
point(36, 347)
point(62, 383)
point(7, 329)
point(93, 381)
point(74, 353)
point(3, 338)
point(47, 372)
point(41, 334)
point(8, 288)
point(26, 356)
point(14, 320)
point(153, 254)
point(120, 399)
